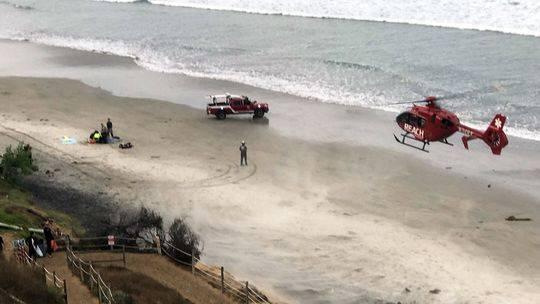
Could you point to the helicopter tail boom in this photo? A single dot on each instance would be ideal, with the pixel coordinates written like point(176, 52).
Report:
point(494, 135)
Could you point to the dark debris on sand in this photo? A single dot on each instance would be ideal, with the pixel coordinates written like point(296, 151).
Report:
point(91, 210)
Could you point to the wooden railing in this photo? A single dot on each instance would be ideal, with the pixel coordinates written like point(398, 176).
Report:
point(89, 276)
point(50, 278)
point(240, 291)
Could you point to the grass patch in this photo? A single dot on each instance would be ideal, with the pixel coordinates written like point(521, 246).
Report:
point(26, 283)
point(18, 208)
point(139, 288)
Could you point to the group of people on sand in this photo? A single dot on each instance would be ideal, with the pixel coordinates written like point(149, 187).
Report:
point(38, 247)
point(105, 136)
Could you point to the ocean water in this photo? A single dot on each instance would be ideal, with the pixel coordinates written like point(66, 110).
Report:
point(336, 59)
point(518, 17)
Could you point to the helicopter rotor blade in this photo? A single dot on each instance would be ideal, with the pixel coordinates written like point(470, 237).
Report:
point(468, 94)
point(415, 101)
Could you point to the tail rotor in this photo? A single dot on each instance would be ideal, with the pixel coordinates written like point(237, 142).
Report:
point(494, 135)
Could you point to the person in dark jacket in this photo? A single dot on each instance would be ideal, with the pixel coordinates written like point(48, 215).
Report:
point(49, 237)
point(243, 154)
point(1, 244)
point(109, 127)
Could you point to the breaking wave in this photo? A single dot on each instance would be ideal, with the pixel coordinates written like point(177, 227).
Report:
point(508, 16)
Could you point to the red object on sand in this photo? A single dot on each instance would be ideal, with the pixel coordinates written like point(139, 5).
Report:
point(223, 105)
point(431, 123)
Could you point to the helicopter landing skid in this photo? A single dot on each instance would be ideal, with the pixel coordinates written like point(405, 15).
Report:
point(445, 141)
point(406, 135)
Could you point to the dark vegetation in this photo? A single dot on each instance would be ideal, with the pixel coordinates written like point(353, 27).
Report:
point(146, 224)
point(16, 163)
point(133, 287)
point(26, 283)
point(91, 210)
point(184, 238)
point(17, 207)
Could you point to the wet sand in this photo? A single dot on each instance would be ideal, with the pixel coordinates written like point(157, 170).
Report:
point(318, 216)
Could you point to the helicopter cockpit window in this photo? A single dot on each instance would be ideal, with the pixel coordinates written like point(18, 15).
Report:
point(411, 119)
point(447, 123)
point(403, 118)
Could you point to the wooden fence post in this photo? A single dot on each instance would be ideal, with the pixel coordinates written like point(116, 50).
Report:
point(44, 274)
point(247, 292)
point(124, 254)
point(91, 278)
point(158, 244)
point(81, 271)
point(65, 292)
point(222, 281)
point(193, 260)
point(99, 290)
point(67, 256)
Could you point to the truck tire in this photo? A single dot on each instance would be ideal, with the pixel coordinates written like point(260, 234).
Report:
point(221, 115)
point(258, 113)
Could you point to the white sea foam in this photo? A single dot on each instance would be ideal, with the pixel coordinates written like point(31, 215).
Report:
point(509, 16)
point(121, 1)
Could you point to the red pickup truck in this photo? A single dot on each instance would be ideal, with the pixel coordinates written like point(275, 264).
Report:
point(223, 105)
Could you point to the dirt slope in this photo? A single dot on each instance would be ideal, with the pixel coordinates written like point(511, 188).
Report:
point(77, 291)
point(170, 275)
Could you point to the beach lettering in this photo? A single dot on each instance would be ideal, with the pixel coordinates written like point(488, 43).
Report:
point(414, 130)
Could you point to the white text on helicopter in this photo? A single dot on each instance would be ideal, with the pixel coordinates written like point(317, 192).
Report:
point(417, 132)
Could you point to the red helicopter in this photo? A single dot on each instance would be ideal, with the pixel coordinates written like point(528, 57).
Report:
point(431, 123)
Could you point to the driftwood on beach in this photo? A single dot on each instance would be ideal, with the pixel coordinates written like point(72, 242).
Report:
point(517, 219)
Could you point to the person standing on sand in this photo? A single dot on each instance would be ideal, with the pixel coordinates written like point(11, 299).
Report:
point(1, 244)
point(109, 127)
point(243, 154)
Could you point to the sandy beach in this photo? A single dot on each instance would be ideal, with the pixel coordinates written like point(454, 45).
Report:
point(328, 210)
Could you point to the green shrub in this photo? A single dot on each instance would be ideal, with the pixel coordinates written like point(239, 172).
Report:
point(16, 163)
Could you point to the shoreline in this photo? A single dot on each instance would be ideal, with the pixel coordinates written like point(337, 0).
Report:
point(332, 123)
point(368, 193)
